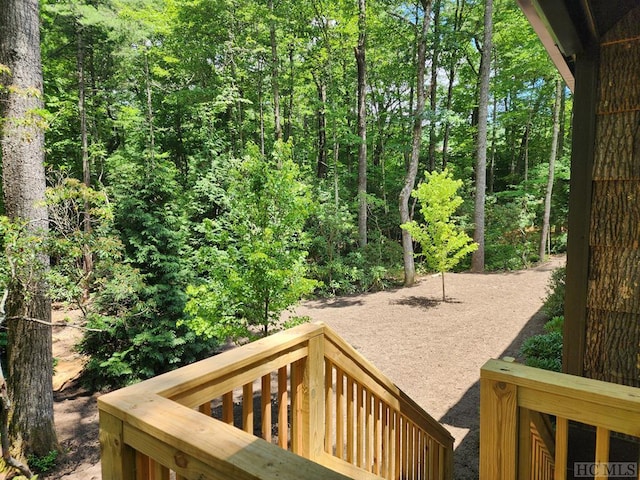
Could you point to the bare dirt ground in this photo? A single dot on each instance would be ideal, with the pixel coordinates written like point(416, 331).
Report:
point(430, 349)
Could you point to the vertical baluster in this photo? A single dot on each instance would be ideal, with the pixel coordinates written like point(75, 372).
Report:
point(526, 455)
point(247, 408)
point(359, 426)
point(602, 450)
point(205, 408)
point(397, 446)
point(328, 407)
point(412, 451)
point(339, 414)
point(386, 433)
point(368, 431)
point(350, 421)
point(227, 408)
point(160, 472)
point(562, 446)
point(143, 467)
point(283, 401)
point(297, 374)
point(377, 436)
point(265, 405)
point(404, 445)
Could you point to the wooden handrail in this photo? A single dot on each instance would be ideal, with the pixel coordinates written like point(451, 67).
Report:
point(164, 424)
point(511, 392)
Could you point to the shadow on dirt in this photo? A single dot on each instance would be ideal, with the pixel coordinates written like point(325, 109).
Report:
point(466, 413)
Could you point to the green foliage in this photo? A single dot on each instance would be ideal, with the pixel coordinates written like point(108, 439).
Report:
point(554, 302)
point(140, 302)
point(511, 238)
point(556, 324)
point(337, 262)
point(443, 243)
point(256, 263)
point(45, 463)
point(544, 351)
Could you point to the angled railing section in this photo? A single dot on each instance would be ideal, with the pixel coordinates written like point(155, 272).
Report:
point(517, 442)
point(299, 404)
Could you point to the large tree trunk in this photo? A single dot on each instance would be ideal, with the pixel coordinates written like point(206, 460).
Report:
point(22, 137)
point(552, 166)
point(477, 259)
point(412, 170)
point(360, 53)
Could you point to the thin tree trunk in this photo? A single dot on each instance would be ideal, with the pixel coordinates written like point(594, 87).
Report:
point(87, 257)
point(451, 75)
point(289, 114)
point(477, 259)
point(150, 119)
point(552, 163)
point(433, 88)
point(492, 163)
point(360, 54)
point(274, 74)
point(29, 346)
point(412, 170)
point(322, 166)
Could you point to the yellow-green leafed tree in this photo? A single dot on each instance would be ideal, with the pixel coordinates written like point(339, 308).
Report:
point(442, 240)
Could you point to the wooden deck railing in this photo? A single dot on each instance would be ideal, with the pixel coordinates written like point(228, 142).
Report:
point(301, 404)
point(515, 399)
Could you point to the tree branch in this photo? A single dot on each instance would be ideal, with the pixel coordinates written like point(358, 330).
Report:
point(57, 324)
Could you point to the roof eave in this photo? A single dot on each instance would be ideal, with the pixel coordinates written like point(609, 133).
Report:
point(553, 25)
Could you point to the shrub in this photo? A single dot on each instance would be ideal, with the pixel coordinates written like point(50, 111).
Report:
point(543, 351)
point(554, 302)
point(43, 464)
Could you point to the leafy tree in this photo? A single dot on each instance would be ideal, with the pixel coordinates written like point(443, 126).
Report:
point(443, 243)
point(142, 301)
point(257, 261)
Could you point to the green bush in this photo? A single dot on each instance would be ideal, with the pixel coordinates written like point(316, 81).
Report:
point(554, 302)
point(543, 351)
point(43, 464)
point(554, 325)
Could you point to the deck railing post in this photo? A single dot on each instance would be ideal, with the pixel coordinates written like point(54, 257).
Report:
point(498, 430)
point(314, 399)
point(118, 459)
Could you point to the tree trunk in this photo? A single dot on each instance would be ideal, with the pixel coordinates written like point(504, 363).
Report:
point(552, 164)
point(22, 138)
point(492, 161)
point(433, 88)
point(477, 259)
point(457, 25)
point(360, 53)
point(150, 119)
point(322, 165)
point(412, 170)
point(274, 74)
point(87, 257)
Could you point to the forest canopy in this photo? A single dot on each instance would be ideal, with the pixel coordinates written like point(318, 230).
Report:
point(211, 162)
